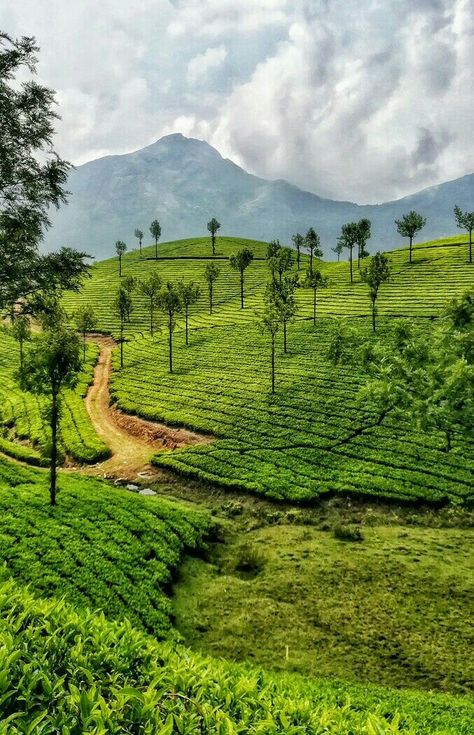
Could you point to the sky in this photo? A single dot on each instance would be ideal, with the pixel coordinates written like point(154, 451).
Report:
point(366, 100)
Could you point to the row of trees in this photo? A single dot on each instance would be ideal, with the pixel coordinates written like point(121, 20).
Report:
point(155, 230)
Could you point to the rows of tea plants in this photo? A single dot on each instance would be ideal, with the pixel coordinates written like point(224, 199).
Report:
point(71, 671)
point(100, 546)
point(311, 439)
point(23, 414)
point(438, 272)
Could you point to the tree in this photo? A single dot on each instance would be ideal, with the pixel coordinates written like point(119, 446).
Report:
point(151, 289)
point(377, 273)
point(129, 283)
point(120, 249)
point(169, 302)
point(189, 294)
point(139, 235)
point(283, 262)
point(338, 250)
point(272, 255)
point(342, 342)
point(364, 232)
point(313, 243)
point(270, 324)
point(211, 274)
point(86, 321)
point(281, 296)
point(213, 226)
point(240, 262)
point(298, 241)
point(50, 366)
point(349, 238)
point(315, 280)
point(155, 229)
point(123, 306)
point(409, 225)
point(32, 180)
point(465, 221)
point(21, 331)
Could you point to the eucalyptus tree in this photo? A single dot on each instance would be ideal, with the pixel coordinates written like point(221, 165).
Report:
point(150, 289)
point(376, 274)
point(272, 255)
point(211, 274)
point(338, 250)
point(189, 294)
point(270, 324)
point(315, 280)
point(32, 180)
point(364, 226)
point(348, 239)
point(409, 226)
point(51, 366)
point(21, 329)
point(120, 249)
point(155, 230)
point(129, 283)
point(465, 221)
point(281, 295)
point(169, 302)
point(86, 321)
point(298, 241)
point(313, 244)
point(213, 226)
point(283, 262)
point(139, 235)
point(122, 307)
point(240, 262)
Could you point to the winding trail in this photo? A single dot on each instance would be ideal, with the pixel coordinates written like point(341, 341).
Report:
point(132, 440)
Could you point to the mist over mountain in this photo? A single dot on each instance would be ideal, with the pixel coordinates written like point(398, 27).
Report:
point(183, 182)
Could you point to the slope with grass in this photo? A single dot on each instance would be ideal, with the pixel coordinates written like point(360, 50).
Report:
point(100, 547)
point(75, 672)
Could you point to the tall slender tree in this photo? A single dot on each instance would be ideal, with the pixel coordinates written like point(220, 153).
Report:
point(123, 306)
point(189, 294)
point(86, 321)
point(374, 275)
point(313, 244)
point(270, 324)
point(338, 250)
point(213, 226)
point(348, 239)
point(409, 226)
point(120, 249)
point(211, 274)
point(298, 241)
point(315, 280)
point(155, 230)
point(240, 262)
point(272, 255)
point(465, 221)
point(151, 289)
point(281, 296)
point(364, 226)
point(50, 366)
point(169, 303)
point(21, 328)
point(284, 262)
point(139, 235)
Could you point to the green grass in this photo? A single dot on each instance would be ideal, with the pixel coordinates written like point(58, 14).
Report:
point(23, 415)
point(100, 547)
point(394, 607)
point(74, 672)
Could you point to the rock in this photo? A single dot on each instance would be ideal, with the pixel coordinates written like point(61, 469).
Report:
point(131, 486)
point(146, 491)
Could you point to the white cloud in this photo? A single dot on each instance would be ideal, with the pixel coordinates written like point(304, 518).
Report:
point(201, 64)
point(218, 17)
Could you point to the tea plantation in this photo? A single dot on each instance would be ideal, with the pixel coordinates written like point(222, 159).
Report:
point(73, 671)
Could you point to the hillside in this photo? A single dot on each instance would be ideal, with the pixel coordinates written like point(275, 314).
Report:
point(313, 439)
point(183, 182)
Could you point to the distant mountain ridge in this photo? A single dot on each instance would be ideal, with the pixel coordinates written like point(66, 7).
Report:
point(183, 182)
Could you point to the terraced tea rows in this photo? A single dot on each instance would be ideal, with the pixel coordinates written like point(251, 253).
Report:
point(100, 547)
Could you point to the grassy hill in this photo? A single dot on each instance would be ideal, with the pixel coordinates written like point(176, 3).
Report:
point(313, 438)
point(73, 671)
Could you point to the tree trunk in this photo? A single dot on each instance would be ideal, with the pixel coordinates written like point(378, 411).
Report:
point(121, 343)
point(152, 325)
point(210, 298)
point(54, 445)
point(298, 256)
point(170, 329)
point(213, 244)
point(284, 336)
point(311, 260)
point(273, 364)
point(120, 266)
point(140, 244)
point(156, 249)
point(411, 247)
point(241, 289)
point(350, 261)
point(314, 306)
point(470, 246)
point(187, 330)
point(84, 347)
point(373, 315)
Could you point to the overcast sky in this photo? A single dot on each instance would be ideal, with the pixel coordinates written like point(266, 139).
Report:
point(365, 100)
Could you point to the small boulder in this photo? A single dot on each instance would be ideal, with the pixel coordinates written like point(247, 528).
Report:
point(146, 491)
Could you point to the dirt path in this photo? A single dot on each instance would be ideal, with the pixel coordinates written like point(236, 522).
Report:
point(132, 440)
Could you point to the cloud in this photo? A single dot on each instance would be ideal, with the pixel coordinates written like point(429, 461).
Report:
point(200, 65)
point(365, 101)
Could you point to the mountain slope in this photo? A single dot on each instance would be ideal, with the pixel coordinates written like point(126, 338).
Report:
point(184, 182)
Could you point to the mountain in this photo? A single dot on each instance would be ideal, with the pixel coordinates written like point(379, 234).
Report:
point(183, 182)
